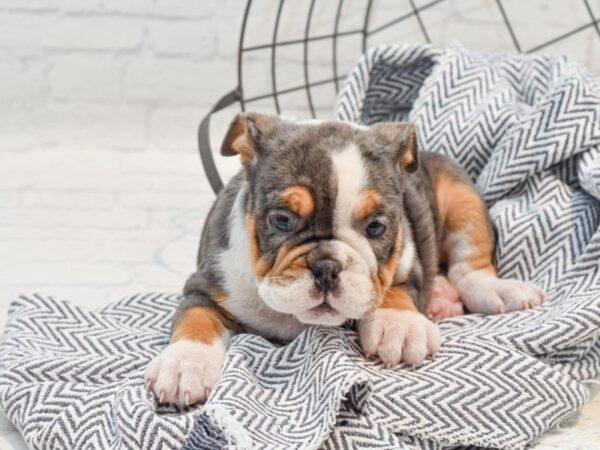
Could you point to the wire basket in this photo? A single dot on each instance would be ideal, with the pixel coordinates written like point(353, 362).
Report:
point(319, 41)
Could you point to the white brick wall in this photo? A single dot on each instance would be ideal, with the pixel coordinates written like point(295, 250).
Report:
point(101, 190)
point(110, 74)
point(139, 74)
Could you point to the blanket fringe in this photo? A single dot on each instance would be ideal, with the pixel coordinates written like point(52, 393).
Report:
point(235, 434)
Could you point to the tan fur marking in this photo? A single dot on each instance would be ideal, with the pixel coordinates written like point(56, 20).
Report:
point(288, 264)
point(407, 159)
point(403, 134)
point(200, 323)
point(387, 271)
point(397, 297)
point(384, 278)
point(290, 259)
point(369, 202)
point(299, 200)
point(462, 210)
point(238, 141)
point(217, 295)
point(292, 272)
point(260, 266)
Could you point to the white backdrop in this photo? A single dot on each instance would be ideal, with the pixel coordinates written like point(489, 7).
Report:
point(139, 74)
point(101, 190)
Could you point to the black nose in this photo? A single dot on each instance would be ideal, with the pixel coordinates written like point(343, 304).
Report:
point(326, 273)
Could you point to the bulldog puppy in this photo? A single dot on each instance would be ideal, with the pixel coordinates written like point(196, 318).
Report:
point(328, 222)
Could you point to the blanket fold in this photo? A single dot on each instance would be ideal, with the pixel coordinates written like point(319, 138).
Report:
point(527, 130)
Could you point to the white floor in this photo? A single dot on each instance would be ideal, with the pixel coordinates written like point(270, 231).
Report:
point(91, 226)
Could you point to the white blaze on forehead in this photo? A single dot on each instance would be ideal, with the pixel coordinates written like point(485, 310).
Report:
point(351, 178)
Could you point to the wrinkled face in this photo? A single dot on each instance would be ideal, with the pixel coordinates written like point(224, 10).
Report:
point(324, 215)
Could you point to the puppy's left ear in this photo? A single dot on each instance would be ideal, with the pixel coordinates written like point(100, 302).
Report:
point(402, 137)
point(245, 134)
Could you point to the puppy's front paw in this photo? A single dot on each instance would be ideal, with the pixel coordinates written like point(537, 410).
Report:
point(484, 293)
point(517, 295)
point(398, 335)
point(185, 371)
point(444, 301)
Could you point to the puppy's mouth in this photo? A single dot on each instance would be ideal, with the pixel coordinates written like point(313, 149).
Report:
point(323, 313)
point(324, 307)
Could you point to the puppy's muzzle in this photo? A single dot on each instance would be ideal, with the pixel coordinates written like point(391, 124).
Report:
point(326, 273)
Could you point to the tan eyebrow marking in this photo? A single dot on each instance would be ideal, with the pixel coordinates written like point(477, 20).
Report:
point(298, 199)
point(261, 267)
point(369, 202)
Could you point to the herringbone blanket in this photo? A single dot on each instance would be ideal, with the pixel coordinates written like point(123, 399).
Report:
point(527, 128)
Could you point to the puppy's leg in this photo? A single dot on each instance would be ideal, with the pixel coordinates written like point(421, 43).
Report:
point(186, 371)
point(468, 246)
point(396, 331)
point(445, 301)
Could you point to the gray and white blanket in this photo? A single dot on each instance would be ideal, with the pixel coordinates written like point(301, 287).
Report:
point(527, 128)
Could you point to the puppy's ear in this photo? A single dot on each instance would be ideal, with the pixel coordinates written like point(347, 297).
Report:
point(402, 137)
point(245, 133)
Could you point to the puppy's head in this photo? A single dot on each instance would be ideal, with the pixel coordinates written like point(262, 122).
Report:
point(324, 211)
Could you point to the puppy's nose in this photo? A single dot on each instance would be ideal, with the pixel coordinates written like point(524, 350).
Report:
point(326, 273)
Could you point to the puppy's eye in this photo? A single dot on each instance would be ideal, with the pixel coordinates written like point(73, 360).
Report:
point(282, 222)
point(375, 228)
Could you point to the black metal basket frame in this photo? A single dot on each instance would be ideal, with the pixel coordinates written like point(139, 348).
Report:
point(237, 94)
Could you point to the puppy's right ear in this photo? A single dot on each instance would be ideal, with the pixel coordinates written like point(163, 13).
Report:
point(403, 140)
point(245, 134)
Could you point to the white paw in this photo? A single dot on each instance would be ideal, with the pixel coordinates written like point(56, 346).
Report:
point(398, 335)
point(444, 301)
point(185, 371)
point(482, 292)
point(517, 295)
